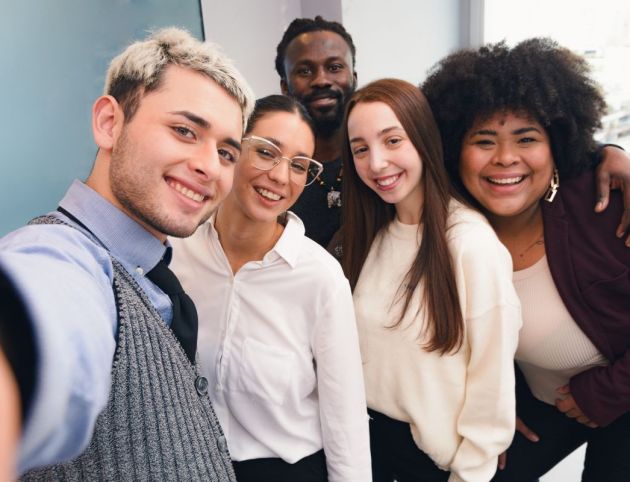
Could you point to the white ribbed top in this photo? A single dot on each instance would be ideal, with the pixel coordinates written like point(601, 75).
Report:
point(552, 347)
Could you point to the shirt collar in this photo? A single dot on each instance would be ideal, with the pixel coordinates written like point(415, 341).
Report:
point(290, 243)
point(123, 237)
point(288, 247)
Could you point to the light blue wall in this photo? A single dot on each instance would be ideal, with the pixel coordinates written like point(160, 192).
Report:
point(53, 58)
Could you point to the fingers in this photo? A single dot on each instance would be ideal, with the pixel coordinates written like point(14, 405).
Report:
point(603, 189)
point(585, 421)
point(528, 433)
point(571, 410)
point(563, 390)
point(625, 218)
point(574, 413)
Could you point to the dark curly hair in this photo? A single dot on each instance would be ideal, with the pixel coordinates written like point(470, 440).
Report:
point(537, 77)
point(303, 25)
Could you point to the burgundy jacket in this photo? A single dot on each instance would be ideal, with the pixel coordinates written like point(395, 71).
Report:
point(591, 269)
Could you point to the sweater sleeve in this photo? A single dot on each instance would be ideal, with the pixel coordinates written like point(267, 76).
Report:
point(603, 393)
point(493, 319)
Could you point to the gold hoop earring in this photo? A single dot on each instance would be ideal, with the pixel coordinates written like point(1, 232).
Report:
point(554, 185)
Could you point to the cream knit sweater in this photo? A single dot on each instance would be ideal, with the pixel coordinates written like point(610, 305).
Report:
point(460, 406)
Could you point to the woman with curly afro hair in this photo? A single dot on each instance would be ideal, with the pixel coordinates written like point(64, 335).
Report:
point(517, 126)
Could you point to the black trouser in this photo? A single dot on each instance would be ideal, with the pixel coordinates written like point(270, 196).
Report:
point(308, 469)
point(395, 456)
point(607, 453)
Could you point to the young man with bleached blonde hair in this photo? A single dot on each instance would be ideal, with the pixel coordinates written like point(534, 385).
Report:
point(106, 370)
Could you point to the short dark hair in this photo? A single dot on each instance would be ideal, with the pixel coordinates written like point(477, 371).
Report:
point(278, 103)
point(538, 78)
point(303, 25)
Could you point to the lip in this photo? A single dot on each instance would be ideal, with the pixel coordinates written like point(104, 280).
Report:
point(190, 194)
point(505, 184)
point(266, 200)
point(324, 102)
point(392, 181)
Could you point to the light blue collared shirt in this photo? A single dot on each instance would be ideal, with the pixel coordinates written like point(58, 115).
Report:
point(65, 279)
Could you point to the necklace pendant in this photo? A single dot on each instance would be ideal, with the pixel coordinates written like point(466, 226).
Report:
point(334, 199)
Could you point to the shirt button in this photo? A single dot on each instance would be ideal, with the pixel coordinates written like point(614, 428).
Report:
point(140, 271)
point(222, 443)
point(201, 384)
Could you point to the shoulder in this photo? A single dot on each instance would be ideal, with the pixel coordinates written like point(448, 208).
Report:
point(56, 244)
point(469, 231)
point(193, 248)
point(478, 254)
point(574, 207)
point(312, 264)
point(321, 262)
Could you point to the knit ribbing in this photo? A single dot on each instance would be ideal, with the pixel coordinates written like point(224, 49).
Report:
point(159, 423)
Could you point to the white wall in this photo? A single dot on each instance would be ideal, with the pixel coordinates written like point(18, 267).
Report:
point(249, 31)
point(400, 38)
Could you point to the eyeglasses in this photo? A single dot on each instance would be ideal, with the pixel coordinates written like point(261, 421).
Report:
point(265, 155)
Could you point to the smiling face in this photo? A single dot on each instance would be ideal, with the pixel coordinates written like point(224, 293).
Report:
point(172, 164)
point(320, 75)
point(263, 195)
point(506, 164)
point(385, 158)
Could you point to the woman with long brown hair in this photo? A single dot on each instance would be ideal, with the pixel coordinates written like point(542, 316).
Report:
point(437, 313)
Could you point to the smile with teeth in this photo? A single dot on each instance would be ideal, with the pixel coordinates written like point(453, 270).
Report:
point(505, 180)
point(268, 194)
point(388, 181)
point(190, 194)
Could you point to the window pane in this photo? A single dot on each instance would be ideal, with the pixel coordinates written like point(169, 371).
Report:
point(599, 30)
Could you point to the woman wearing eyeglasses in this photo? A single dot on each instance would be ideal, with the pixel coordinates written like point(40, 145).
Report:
point(277, 334)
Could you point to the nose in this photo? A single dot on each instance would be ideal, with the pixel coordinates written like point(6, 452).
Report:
point(321, 79)
point(281, 171)
point(206, 162)
point(505, 155)
point(378, 160)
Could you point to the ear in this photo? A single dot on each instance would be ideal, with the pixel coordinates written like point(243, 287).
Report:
point(106, 118)
point(356, 78)
point(284, 88)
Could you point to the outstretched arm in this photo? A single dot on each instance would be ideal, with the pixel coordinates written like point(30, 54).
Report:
point(65, 304)
point(614, 172)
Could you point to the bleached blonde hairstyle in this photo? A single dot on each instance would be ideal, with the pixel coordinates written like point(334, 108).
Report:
point(139, 69)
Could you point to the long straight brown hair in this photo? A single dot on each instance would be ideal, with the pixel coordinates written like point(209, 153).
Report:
point(365, 214)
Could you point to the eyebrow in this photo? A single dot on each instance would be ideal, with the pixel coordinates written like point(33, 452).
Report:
point(379, 133)
point(234, 143)
point(194, 118)
point(279, 145)
point(273, 140)
point(516, 132)
point(204, 124)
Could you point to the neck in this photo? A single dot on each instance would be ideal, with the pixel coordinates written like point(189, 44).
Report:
point(328, 148)
point(522, 235)
point(409, 210)
point(242, 238)
point(517, 226)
